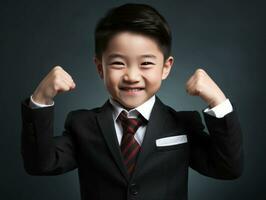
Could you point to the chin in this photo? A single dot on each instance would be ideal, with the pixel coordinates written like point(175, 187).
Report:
point(131, 102)
point(131, 105)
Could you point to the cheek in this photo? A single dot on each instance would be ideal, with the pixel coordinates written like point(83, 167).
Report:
point(154, 78)
point(112, 78)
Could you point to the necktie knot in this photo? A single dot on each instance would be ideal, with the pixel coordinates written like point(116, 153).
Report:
point(131, 125)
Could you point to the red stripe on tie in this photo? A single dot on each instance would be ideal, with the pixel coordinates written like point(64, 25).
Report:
point(130, 130)
point(125, 149)
point(130, 168)
point(134, 122)
point(132, 154)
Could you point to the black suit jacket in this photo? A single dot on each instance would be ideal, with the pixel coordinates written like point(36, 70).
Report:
point(89, 143)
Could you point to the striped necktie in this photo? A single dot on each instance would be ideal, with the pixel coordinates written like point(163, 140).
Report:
point(129, 146)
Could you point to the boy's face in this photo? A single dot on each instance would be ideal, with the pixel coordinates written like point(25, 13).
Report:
point(132, 68)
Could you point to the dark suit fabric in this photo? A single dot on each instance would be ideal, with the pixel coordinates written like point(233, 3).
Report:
point(89, 143)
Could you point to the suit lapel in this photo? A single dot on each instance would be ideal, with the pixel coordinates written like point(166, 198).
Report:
point(154, 129)
point(105, 121)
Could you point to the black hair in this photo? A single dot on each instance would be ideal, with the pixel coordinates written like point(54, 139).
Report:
point(137, 18)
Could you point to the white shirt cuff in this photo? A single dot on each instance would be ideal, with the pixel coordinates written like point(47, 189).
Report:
point(34, 104)
point(220, 110)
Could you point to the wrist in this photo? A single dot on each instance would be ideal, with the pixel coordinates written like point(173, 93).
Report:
point(41, 99)
point(216, 101)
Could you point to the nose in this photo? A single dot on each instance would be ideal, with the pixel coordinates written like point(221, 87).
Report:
point(132, 75)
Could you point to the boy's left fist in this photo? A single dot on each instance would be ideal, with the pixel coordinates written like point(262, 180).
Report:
point(200, 84)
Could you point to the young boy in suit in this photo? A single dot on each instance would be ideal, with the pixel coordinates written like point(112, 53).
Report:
point(134, 146)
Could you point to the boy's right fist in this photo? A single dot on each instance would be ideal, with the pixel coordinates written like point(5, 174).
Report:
point(56, 81)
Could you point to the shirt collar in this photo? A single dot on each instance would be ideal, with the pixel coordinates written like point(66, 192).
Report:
point(144, 109)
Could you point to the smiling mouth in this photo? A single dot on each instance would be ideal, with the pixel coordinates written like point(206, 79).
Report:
point(131, 89)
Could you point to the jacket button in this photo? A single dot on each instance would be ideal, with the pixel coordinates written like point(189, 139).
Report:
point(133, 189)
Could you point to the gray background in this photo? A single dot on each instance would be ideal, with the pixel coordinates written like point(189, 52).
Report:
point(226, 38)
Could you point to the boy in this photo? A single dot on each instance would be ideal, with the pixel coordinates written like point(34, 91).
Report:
point(134, 146)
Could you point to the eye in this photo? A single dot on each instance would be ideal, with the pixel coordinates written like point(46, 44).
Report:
point(117, 63)
point(147, 63)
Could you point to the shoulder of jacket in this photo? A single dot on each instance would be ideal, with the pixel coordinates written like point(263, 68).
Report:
point(190, 119)
point(182, 113)
point(83, 112)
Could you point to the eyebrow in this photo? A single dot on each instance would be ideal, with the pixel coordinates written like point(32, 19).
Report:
point(148, 56)
point(116, 55)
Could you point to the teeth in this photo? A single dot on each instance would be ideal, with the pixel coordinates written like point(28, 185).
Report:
point(132, 89)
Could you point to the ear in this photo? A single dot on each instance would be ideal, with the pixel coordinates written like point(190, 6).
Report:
point(99, 66)
point(167, 67)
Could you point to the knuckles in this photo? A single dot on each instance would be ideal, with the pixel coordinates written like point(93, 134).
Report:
point(199, 75)
point(200, 71)
point(56, 71)
point(57, 67)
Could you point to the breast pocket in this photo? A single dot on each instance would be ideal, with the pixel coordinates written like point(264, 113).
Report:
point(172, 147)
point(171, 143)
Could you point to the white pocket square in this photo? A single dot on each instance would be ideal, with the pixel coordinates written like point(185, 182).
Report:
point(173, 140)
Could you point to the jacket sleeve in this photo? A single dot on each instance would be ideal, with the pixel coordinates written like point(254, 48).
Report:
point(43, 153)
point(219, 153)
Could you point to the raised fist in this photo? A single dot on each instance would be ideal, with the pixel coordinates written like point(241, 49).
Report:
point(200, 84)
point(56, 81)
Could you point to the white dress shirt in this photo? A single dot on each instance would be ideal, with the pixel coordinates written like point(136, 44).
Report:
point(145, 109)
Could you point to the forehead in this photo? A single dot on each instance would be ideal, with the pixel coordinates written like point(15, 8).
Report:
point(132, 44)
